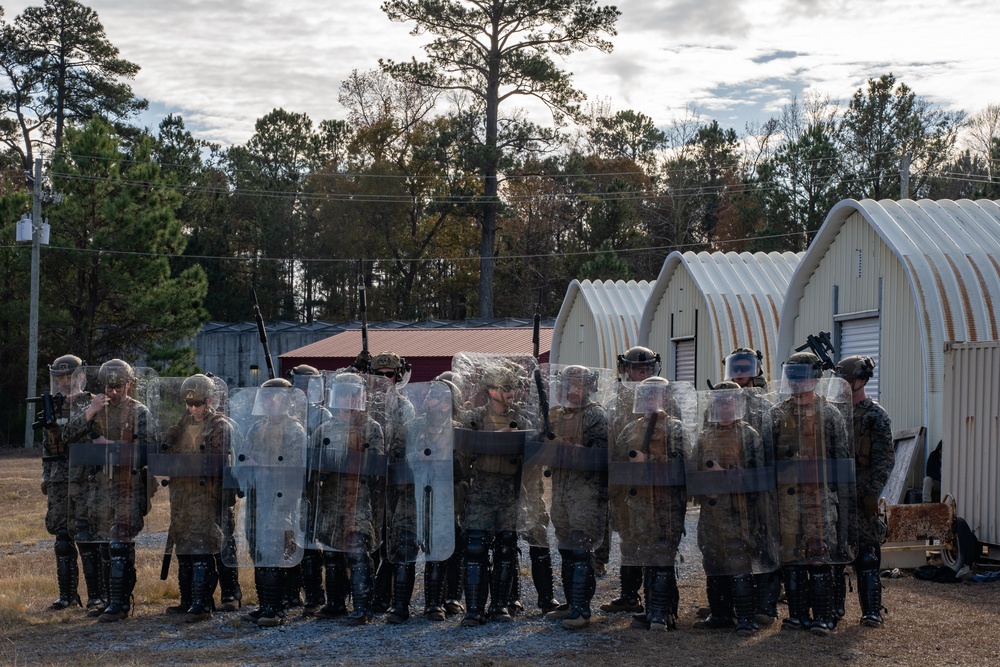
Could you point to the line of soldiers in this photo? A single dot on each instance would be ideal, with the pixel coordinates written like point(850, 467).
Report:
point(334, 484)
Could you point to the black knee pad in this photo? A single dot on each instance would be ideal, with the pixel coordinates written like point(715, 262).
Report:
point(477, 545)
point(869, 558)
point(65, 547)
point(506, 544)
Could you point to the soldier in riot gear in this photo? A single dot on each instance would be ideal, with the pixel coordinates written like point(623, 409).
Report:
point(109, 441)
point(56, 483)
point(444, 580)
point(190, 461)
point(874, 457)
point(744, 366)
point(492, 445)
point(270, 468)
point(348, 454)
point(308, 575)
point(634, 366)
point(648, 498)
point(420, 507)
point(728, 474)
point(388, 373)
point(572, 461)
point(812, 451)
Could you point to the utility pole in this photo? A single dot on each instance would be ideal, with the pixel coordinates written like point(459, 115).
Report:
point(36, 234)
point(904, 176)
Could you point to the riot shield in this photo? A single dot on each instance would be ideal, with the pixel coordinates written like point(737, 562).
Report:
point(565, 470)
point(728, 475)
point(188, 461)
point(646, 474)
point(347, 466)
point(108, 438)
point(810, 427)
point(420, 494)
point(500, 414)
point(313, 388)
point(266, 469)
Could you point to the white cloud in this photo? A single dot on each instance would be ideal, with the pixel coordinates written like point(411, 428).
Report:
point(223, 64)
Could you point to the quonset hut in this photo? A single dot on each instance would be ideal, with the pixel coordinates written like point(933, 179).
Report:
point(598, 321)
point(706, 304)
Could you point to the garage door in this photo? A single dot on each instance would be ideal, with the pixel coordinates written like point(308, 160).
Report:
point(861, 337)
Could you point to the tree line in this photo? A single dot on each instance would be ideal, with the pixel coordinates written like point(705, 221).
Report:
point(435, 189)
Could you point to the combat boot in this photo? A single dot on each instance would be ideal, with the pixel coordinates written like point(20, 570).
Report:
point(312, 581)
point(744, 604)
point(719, 589)
point(839, 592)
point(121, 582)
point(382, 591)
point(821, 598)
point(434, 575)
point(767, 590)
point(185, 570)
point(362, 588)
point(477, 577)
point(797, 596)
point(581, 589)
point(271, 592)
point(631, 579)
point(67, 574)
point(292, 595)
point(230, 593)
point(338, 585)
point(870, 598)
point(663, 598)
point(454, 583)
point(90, 562)
point(203, 582)
point(402, 592)
point(104, 575)
point(541, 576)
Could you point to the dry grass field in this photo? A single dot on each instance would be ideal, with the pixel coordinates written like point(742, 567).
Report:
point(928, 623)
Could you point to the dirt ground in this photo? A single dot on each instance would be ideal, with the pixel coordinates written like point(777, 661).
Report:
point(927, 623)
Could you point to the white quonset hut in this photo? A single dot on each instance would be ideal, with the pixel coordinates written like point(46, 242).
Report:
point(895, 280)
point(598, 321)
point(706, 304)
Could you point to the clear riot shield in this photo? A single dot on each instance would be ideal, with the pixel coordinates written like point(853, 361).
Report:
point(109, 437)
point(733, 482)
point(347, 467)
point(420, 494)
point(565, 470)
point(188, 461)
point(646, 474)
point(810, 427)
point(500, 413)
point(266, 470)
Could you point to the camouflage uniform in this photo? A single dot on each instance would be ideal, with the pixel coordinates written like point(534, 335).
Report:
point(349, 516)
point(110, 502)
point(579, 505)
point(649, 513)
point(813, 523)
point(61, 484)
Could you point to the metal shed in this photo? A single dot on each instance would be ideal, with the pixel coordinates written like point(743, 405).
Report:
point(598, 321)
point(706, 304)
point(896, 280)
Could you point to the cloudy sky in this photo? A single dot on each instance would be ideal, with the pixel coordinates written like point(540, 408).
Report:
point(222, 64)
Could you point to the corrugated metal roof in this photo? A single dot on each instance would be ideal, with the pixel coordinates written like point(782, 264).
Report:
point(615, 308)
point(744, 292)
point(949, 250)
point(335, 327)
point(415, 343)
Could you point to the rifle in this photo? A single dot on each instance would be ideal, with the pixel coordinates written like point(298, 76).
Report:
point(363, 307)
point(543, 398)
point(820, 345)
point(262, 332)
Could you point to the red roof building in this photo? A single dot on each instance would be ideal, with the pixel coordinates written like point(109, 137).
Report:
point(429, 351)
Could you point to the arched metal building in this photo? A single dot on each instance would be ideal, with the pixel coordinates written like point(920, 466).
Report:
point(706, 304)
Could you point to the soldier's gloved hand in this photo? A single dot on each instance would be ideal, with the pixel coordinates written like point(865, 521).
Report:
point(869, 503)
point(45, 488)
point(363, 360)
